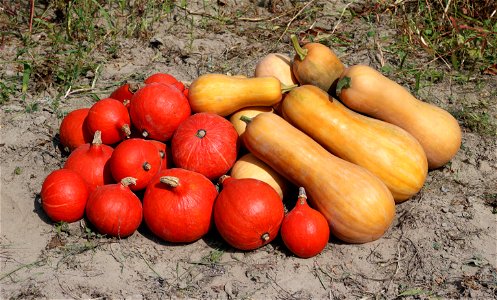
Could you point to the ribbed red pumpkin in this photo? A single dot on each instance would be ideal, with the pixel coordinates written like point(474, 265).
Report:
point(177, 205)
point(157, 110)
point(111, 118)
point(247, 213)
point(91, 161)
point(63, 196)
point(114, 209)
point(305, 230)
point(206, 143)
point(73, 131)
point(137, 158)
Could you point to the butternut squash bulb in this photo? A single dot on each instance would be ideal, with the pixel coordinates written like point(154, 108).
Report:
point(367, 91)
point(388, 151)
point(357, 205)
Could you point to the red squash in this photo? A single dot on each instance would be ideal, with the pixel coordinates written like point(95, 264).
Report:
point(164, 153)
point(123, 94)
point(157, 110)
point(91, 161)
point(73, 131)
point(114, 209)
point(137, 158)
point(206, 143)
point(165, 78)
point(63, 196)
point(247, 213)
point(305, 230)
point(177, 205)
point(110, 117)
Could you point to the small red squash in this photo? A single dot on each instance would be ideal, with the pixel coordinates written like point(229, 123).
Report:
point(164, 153)
point(177, 205)
point(110, 117)
point(206, 143)
point(123, 94)
point(157, 110)
point(91, 161)
point(114, 209)
point(137, 158)
point(305, 230)
point(247, 213)
point(165, 79)
point(73, 131)
point(63, 196)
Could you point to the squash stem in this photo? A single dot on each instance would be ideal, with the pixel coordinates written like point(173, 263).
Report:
point(286, 88)
point(302, 196)
point(246, 119)
point(265, 237)
point(126, 181)
point(126, 129)
point(343, 83)
point(170, 181)
point(97, 138)
point(201, 133)
point(301, 52)
point(147, 166)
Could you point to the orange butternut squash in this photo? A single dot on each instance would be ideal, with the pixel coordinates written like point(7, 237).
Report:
point(357, 205)
point(388, 151)
point(250, 112)
point(367, 91)
point(316, 64)
point(223, 94)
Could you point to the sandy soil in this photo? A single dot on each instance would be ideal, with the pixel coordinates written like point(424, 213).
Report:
point(442, 242)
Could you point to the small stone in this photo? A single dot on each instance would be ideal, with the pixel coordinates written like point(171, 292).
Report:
point(444, 224)
point(445, 210)
point(444, 189)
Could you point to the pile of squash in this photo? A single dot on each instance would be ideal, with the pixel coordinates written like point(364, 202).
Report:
point(356, 143)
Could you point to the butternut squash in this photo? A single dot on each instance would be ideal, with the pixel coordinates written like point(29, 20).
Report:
point(250, 112)
point(367, 91)
point(357, 205)
point(223, 94)
point(278, 65)
point(386, 150)
point(249, 166)
point(316, 64)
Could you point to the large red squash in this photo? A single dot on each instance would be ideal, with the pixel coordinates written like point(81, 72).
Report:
point(247, 213)
point(206, 143)
point(157, 110)
point(177, 205)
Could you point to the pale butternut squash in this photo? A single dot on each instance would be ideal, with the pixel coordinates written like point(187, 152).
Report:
point(249, 166)
point(222, 94)
point(367, 91)
point(357, 205)
point(278, 65)
point(388, 151)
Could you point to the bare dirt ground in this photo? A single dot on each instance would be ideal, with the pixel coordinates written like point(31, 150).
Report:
point(442, 243)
